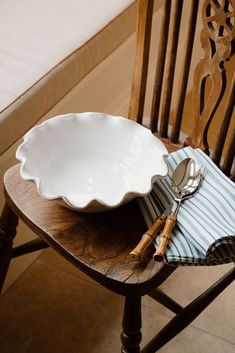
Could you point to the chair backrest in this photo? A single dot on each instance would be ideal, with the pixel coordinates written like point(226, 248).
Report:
point(195, 47)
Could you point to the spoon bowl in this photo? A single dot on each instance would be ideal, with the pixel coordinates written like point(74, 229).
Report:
point(186, 178)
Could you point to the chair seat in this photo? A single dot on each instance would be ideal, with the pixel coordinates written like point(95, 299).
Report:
point(98, 244)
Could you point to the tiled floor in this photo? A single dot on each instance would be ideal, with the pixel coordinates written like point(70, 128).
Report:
point(54, 308)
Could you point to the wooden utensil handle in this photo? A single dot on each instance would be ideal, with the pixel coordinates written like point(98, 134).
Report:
point(147, 238)
point(164, 238)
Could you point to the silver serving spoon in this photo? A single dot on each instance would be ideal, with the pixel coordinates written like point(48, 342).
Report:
point(186, 180)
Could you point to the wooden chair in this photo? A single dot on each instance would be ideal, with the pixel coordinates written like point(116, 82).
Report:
point(99, 244)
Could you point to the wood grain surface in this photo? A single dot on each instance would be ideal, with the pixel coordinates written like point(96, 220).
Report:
point(98, 244)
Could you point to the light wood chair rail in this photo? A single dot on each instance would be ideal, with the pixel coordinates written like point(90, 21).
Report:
point(99, 244)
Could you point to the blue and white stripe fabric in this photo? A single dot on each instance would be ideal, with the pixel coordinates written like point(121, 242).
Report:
point(204, 233)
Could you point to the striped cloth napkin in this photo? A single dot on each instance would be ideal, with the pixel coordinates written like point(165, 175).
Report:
point(204, 233)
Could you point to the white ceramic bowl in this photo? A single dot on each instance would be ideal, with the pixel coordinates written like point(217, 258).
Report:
point(91, 161)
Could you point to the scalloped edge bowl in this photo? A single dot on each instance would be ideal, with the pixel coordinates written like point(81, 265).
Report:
point(91, 162)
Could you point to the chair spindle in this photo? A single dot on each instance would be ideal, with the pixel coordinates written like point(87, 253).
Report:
point(170, 67)
point(185, 67)
point(223, 134)
point(160, 66)
point(144, 23)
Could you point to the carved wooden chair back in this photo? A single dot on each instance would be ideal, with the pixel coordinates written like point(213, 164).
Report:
point(208, 24)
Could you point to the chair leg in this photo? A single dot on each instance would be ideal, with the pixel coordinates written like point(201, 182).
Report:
point(8, 225)
point(131, 324)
